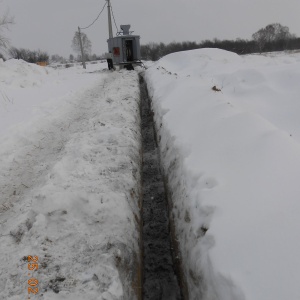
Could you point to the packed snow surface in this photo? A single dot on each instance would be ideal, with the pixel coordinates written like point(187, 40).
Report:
point(69, 182)
point(229, 135)
point(229, 132)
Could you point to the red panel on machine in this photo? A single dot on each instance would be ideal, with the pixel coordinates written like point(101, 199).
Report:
point(116, 51)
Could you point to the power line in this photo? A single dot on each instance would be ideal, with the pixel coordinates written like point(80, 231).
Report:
point(95, 19)
point(114, 17)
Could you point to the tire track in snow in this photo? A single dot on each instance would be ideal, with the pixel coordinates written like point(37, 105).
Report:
point(70, 194)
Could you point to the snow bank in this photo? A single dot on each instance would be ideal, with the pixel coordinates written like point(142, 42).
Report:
point(69, 186)
point(28, 91)
point(232, 158)
point(18, 73)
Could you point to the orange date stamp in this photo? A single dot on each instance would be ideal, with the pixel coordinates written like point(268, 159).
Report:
point(32, 282)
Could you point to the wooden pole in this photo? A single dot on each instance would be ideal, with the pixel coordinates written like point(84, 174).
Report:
point(81, 48)
point(110, 32)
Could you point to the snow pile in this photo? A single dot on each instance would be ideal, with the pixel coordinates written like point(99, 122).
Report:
point(18, 73)
point(28, 91)
point(69, 182)
point(229, 135)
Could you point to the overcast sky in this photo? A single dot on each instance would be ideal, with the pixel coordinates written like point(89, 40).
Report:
point(50, 25)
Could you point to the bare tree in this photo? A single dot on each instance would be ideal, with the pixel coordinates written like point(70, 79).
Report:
point(28, 55)
point(16, 53)
point(5, 22)
point(55, 58)
point(86, 44)
point(271, 33)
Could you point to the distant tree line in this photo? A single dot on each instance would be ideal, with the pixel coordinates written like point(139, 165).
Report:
point(42, 56)
point(28, 55)
point(273, 37)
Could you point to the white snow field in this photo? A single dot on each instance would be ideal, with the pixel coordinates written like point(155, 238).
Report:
point(69, 182)
point(70, 160)
point(232, 159)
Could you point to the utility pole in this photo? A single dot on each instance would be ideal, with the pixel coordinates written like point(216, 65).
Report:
point(109, 20)
point(81, 48)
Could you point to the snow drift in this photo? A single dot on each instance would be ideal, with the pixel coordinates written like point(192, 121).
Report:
point(229, 135)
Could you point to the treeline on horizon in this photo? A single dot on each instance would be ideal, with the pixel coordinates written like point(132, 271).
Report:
point(273, 37)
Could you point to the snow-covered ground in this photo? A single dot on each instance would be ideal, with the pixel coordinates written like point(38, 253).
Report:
point(229, 132)
point(70, 175)
point(69, 182)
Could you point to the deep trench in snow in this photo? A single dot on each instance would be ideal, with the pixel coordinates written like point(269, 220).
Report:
point(159, 279)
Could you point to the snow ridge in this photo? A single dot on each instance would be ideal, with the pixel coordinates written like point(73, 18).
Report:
point(232, 159)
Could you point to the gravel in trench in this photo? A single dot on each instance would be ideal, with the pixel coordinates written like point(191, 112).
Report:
point(160, 281)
